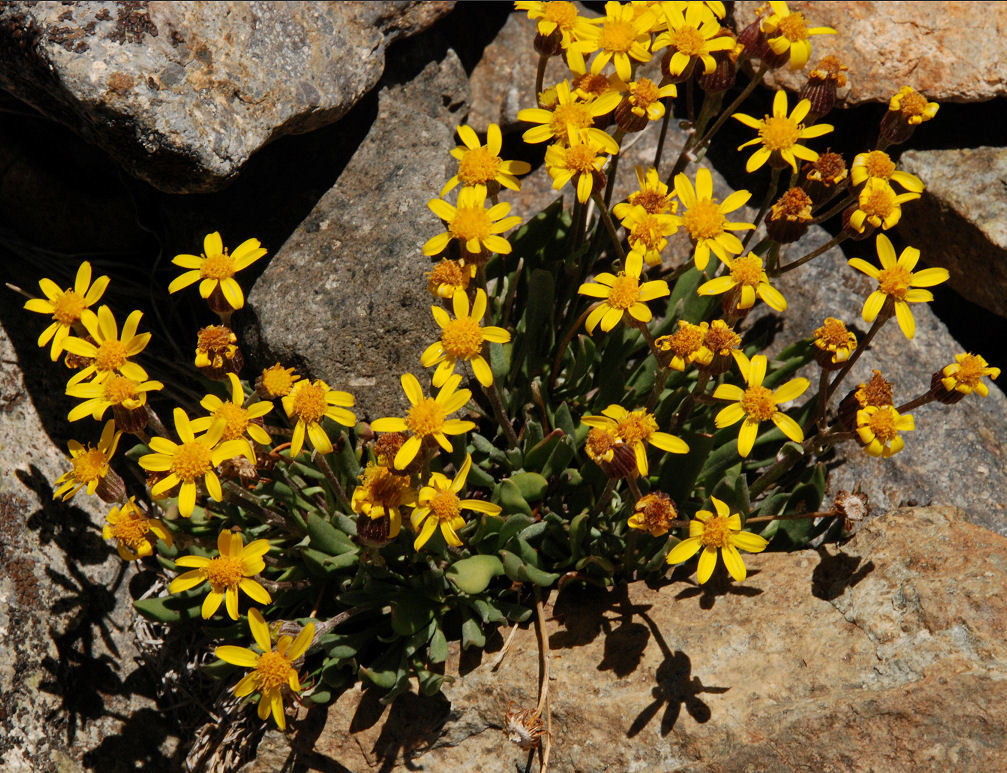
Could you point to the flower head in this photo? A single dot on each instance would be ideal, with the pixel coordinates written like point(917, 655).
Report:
point(67, 307)
point(912, 106)
point(878, 165)
point(108, 353)
point(648, 233)
point(654, 514)
point(380, 495)
point(115, 390)
point(787, 31)
point(88, 466)
point(237, 418)
point(834, 341)
point(214, 268)
point(756, 403)
point(749, 276)
point(228, 572)
point(719, 344)
point(450, 276)
point(618, 37)
point(717, 531)
point(134, 531)
point(462, 338)
point(623, 294)
point(965, 374)
point(879, 205)
point(480, 164)
point(643, 100)
point(684, 344)
point(217, 350)
point(582, 160)
point(828, 171)
point(427, 417)
point(276, 381)
point(779, 134)
point(555, 16)
point(897, 283)
point(272, 670)
point(652, 195)
point(635, 429)
point(471, 224)
point(879, 428)
point(308, 403)
point(692, 36)
point(567, 117)
point(705, 219)
point(438, 504)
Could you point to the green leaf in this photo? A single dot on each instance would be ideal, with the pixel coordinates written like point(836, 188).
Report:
point(531, 485)
point(438, 647)
point(511, 498)
point(170, 609)
point(472, 634)
point(472, 575)
point(327, 538)
point(410, 615)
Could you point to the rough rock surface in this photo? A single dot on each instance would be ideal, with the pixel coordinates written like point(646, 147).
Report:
point(181, 94)
point(962, 218)
point(883, 654)
point(345, 297)
point(952, 51)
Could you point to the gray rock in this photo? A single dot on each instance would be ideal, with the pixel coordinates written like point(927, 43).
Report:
point(181, 94)
point(344, 298)
point(962, 218)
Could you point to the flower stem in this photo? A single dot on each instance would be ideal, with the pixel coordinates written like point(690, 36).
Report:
point(774, 184)
point(689, 403)
point(882, 317)
point(923, 399)
point(268, 514)
point(337, 487)
point(557, 360)
point(835, 209)
point(543, 60)
point(841, 237)
point(493, 393)
point(610, 227)
point(662, 136)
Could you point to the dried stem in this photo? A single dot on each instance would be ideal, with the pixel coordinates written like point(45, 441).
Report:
point(493, 393)
point(543, 688)
point(610, 227)
point(882, 317)
point(330, 476)
point(838, 239)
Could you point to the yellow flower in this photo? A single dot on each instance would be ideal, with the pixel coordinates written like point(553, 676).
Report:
point(622, 294)
point(897, 281)
point(879, 205)
point(427, 418)
point(756, 403)
point(747, 274)
point(109, 353)
point(635, 429)
point(704, 218)
point(216, 268)
point(272, 670)
point(878, 165)
point(66, 306)
point(134, 531)
point(601, 443)
point(644, 98)
point(787, 31)
point(380, 495)
point(779, 134)
point(648, 234)
point(568, 116)
point(654, 514)
point(555, 15)
point(966, 373)
point(99, 396)
point(88, 466)
point(582, 159)
point(474, 226)
point(216, 348)
point(308, 403)
point(587, 85)
point(835, 341)
point(711, 532)
point(228, 572)
point(912, 106)
point(277, 381)
point(438, 504)
point(618, 36)
point(481, 164)
point(192, 459)
point(652, 195)
point(450, 276)
point(462, 339)
point(719, 341)
point(879, 428)
point(238, 420)
point(684, 344)
point(693, 36)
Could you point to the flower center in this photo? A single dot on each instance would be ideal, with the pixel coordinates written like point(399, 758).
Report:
point(625, 290)
point(833, 333)
point(119, 389)
point(478, 166)
point(648, 230)
point(882, 424)
point(591, 83)
point(636, 427)
point(829, 169)
point(191, 460)
point(561, 13)
point(748, 271)
point(273, 670)
point(383, 487)
point(235, 420)
point(462, 338)
point(600, 443)
point(894, 281)
point(758, 403)
point(111, 355)
point(971, 369)
point(878, 201)
point(794, 205)
point(684, 341)
point(657, 511)
point(89, 465)
point(580, 158)
point(779, 132)
point(224, 572)
point(878, 164)
point(68, 307)
point(470, 223)
point(913, 104)
point(132, 528)
point(793, 28)
point(716, 532)
point(877, 391)
point(570, 116)
point(448, 273)
point(217, 267)
point(444, 505)
point(703, 220)
point(215, 338)
point(688, 41)
point(425, 418)
point(655, 203)
point(278, 381)
point(645, 93)
point(309, 402)
point(617, 36)
point(721, 339)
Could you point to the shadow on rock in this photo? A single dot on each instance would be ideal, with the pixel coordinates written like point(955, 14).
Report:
point(719, 585)
point(62, 523)
point(137, 746)
point(413, 723)
point(834, 574)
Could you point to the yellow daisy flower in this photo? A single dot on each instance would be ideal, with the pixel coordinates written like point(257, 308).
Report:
point(749, 276)
point(587, 85)
point(654, 514)
point(648, 234)
point(965, 374)
point(450, 276)
point(427, 418)
point(712, 532)
point(879, 205)
point(462, 338)
point(623, 294)
point(878, 165)
point(787, 31)
point(684, 344)
point(779, 134)
point(555, 15)
point(756, 403)
point(189, 461)
point(897, 281)
point(692, 36)
point(308, 403)
point(109, 353)
point(834, 342)
point(582, 159)
point(380, 495)
point(568, 116)
point(276, 381)
point(228, 572)
point(88, 466)
point(719, 344)
point(272, 670)
point(912, 106)
point(438, 504)
point(66, 306)
point(217, 349)
point(216, 268)
point(704, 218)
point(134, 531)
point(618, 37)
point(652, 195)
point(635, 429)
point(643, 99)
point(474, 226)
point(238, 420)
point(480, 164)
point(879, 428)
point(115, 390)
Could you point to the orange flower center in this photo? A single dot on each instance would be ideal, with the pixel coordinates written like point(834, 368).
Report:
point(971, 369)
point(272, 671)
point(877, 391)
point(215, 338)
point(716, 532)
point(895, 281)
point(191, 460)
point(119, 389)
point(425, 418)
point(648, 231)
point(560, 12)
point(445, 505)
point(878, 164)
point(570, 116)
point(447, 273)
point(878, 201)
point(68, 307)
point(581, 158)
point(89, 465)
point(478, 166)
point(829, 169)
point(720, 339)
point(654, 202)
point(600, 443)
point(624, 292)
point(592, 83)
point(794, 206)
point(217, 267)
point(758, 403)
point(636, 427)
point(912, 104)
point(656, 511)
point(132, 528)
point(617, 36)
point(470, 223)
point(704, 220)
point(224, 572)
point(833, 334)
point(793, 28)
point(235, 420)
point(278, 381)
point(111, 355)
point(684, 341)
point(688, 41)
point(748, 271)
point(462, 338)
point(644, 93)
point(779, 132)
point(383, 487)
point(882, 424)
point(309, 402)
